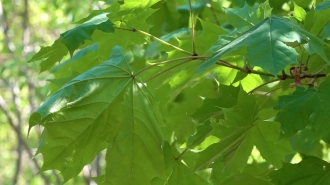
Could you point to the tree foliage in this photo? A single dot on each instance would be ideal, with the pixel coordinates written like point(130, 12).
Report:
point(197, 92)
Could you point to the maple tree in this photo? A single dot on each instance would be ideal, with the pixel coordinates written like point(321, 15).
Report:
point(176, 95)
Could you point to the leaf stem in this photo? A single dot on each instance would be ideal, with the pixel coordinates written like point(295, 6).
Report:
point(164, 42)
point(192, 28)
point(155, 38)
point(217, 22)
point(162, 72)
point(172, 60)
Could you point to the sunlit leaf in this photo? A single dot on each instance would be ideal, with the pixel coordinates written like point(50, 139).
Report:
point(299, 13)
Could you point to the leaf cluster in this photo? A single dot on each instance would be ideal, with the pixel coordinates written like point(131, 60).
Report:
point(190, 93)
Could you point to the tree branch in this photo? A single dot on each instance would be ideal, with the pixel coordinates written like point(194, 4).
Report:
point(11, 120)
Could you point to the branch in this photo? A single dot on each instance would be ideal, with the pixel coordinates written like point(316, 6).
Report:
point(155, 38)
point(10, 118)
point(17, 102)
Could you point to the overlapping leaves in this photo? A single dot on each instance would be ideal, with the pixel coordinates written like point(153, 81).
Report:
point(106, 107)
point(133, 13)
point(247, 127)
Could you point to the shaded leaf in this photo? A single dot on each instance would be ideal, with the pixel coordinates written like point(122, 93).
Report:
point(311, 170)
point(305, 107)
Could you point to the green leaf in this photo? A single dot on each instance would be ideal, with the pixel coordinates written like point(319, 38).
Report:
point(299, 13)
point(306, 143)
point(73, 38)
point(247, 17)
point(305, 107)
point(266, 45)
point(50, 55)
point(103, 108)
point(311, 170)
point(243, 17)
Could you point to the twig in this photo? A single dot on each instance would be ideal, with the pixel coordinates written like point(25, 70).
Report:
point(15, 98)
point(155, 38)
point(192, 29)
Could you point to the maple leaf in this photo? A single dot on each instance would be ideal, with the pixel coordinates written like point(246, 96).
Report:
point(103, 108)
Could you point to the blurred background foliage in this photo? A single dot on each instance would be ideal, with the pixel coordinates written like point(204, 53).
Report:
point(28, 24)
